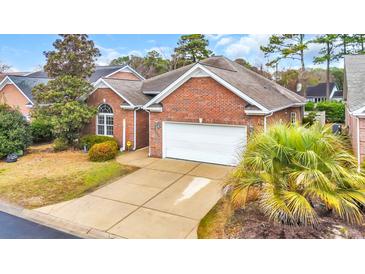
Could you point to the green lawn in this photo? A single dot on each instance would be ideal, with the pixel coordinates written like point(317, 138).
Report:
point(43, 177)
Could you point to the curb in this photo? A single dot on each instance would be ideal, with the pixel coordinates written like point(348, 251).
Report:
point(56, 223)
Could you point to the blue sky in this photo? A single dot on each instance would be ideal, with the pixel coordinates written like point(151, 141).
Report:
point(25, 52)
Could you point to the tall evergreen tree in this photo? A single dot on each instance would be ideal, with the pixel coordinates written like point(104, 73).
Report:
point(286, 46)
point(61, 100)
point(192, 48)
point(327, 54)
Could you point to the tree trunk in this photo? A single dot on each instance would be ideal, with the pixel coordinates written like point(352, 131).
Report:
point(328, 72)
point(302, 52)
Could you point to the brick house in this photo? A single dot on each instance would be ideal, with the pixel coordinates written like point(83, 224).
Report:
point(202, 112)
point(206, 111)
point(354, 96)
point(16, 88)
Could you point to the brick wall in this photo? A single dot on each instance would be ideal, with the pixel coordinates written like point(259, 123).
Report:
point(107, 96)
point(205, 98)
point(351, 122)
point(124, 75)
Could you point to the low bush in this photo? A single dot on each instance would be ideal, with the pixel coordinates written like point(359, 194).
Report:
point(14, 131)
point(309, 119)
point(335, 111)
point(309, 106)
point(90, 140)
point(60, 145)
point(103, 151)
point(41, 130)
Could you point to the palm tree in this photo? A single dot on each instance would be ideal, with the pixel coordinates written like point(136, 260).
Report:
point(297, 170)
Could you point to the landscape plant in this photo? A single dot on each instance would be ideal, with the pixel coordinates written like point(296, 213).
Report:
point(103, 151)
point(91, 139)
point(298, 172)
point(62, 99)
point(15, 133)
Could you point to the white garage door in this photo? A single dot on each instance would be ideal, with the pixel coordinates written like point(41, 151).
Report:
point(219, 144)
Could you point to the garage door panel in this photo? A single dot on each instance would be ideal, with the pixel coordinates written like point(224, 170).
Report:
point(206, 143)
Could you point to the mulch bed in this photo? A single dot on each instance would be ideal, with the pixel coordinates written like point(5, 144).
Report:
point(251, 223)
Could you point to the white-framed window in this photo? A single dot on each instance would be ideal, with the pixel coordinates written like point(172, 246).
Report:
point(105, 120)
point(293, 118)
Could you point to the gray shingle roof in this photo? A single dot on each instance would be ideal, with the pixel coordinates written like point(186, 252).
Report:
point(129, 89)
point(355, 78)
point(26, 84)
point(319, 90)
point(264, 91)
point(100, 72)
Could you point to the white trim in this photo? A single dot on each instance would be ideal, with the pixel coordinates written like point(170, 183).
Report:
point(149, 125)
point(130, 69)
point(8, 81)
point(358, 111)
point(127, 107)
point(334, 89)
point(134, 129)
point(105, 124)
point(154, 109)
point(124, 134)
point(109, 86)
point(151, 92)
point(163, 139)
point(265, 122)
point(255, 112)
point(187, 75)
point(293, 116)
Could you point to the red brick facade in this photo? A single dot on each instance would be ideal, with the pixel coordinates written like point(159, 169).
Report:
point(124, 75)
point(107, 96)
point(205, 98)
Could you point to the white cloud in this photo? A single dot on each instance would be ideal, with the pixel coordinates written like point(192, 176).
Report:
point(224, 41)
point(108, 54)
point(248, 47)
point(214, 36)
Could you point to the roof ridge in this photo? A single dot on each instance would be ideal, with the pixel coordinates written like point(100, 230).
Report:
point(29, 77)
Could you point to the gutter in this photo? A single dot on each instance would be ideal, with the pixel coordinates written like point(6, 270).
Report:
point(134, 129)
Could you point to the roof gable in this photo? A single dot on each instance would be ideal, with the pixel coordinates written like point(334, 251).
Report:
point(250, 86)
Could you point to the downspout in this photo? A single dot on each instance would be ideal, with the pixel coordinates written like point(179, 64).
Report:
point(265, 127)
point(358, 143)
point(134, 129)
point(149, 119)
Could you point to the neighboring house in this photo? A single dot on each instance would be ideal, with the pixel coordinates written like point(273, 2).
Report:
point(354, 96)
point(318, 93)
point(207, 111)
point(16, 90)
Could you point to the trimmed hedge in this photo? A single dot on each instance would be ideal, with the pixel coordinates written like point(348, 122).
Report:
point(335, 111)
point(41, 130)
point(103, 151)
point(91, 139)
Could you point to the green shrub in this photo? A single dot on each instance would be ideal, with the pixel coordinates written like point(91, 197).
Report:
point(41, 130)
point(309, 106)
point(309, 119)
point(335, 111)
point(14, 131)
point(60, 144)
point(114, 144)
point(90, 140)
point(103, 151)
point(299, 170)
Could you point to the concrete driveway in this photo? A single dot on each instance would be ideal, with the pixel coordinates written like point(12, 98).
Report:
point(165, 198)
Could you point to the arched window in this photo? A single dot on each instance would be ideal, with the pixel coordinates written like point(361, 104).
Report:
point(105, 120)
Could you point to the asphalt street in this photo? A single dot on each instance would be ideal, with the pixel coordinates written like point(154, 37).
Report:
point(12, 227)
